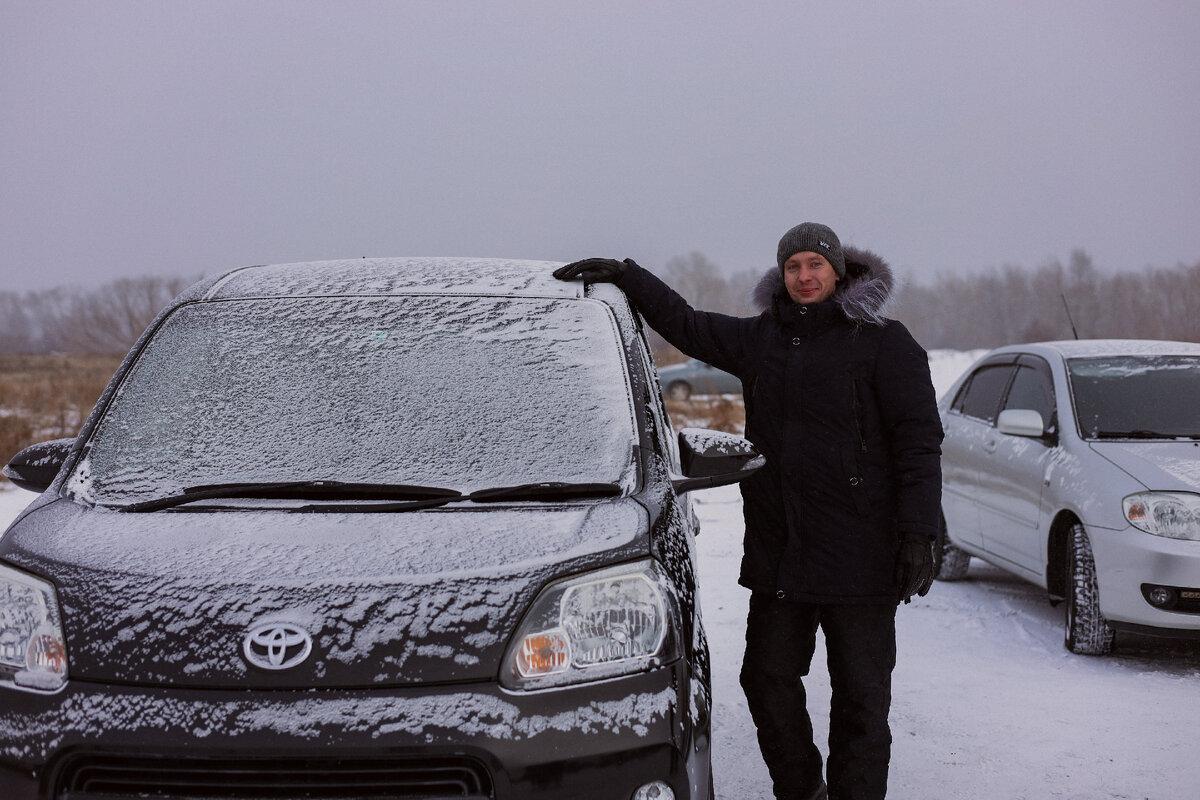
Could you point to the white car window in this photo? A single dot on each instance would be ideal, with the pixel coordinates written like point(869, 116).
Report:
point(1031, 389)
point(980, 397)
point(1138, 396)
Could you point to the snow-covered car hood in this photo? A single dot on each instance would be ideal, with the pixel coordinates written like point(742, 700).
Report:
point(1163, 466)
point(168, 598)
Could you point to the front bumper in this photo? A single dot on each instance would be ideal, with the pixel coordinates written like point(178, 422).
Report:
point(599, 740)
point(1127, 559)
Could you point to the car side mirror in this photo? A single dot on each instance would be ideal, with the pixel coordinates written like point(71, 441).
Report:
point(35, 467)
point(714, 458)
point(1021, 422)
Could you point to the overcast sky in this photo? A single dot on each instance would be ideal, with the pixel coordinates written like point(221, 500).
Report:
point(181, 138)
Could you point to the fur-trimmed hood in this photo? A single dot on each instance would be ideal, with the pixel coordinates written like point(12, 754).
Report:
point(863, 294)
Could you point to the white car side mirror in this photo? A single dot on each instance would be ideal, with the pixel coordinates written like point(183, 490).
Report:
point(1021, 422)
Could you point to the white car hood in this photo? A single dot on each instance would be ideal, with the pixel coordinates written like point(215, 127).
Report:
point(1162, 466)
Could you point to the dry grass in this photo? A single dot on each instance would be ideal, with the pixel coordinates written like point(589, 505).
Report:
point(48, 396)
point(721, 412)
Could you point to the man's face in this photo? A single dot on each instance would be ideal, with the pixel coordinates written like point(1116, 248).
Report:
point(809, 278)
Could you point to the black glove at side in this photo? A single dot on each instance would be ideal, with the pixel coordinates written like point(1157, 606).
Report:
point(592, 270)
point(914, 566)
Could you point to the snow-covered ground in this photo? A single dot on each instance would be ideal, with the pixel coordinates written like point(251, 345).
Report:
point(987, 702)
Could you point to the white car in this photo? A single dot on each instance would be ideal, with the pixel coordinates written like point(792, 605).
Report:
point(1076, 465)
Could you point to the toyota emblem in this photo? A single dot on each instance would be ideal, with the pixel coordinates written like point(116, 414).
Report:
point(276, 645)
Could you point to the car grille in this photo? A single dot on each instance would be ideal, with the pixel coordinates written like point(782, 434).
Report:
point(91, 776)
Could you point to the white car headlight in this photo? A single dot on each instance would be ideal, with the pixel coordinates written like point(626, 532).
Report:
point(593, 626)
point(1175, 515)
point(33, 652)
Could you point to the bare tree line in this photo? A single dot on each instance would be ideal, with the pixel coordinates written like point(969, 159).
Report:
point(1014, 305)
point(1001, 306)
point(106, 319)
point(962, 312)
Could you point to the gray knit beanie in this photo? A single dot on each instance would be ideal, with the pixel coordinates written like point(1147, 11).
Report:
point(815, 238)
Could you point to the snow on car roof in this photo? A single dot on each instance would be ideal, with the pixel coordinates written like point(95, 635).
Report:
point(390, 276)
point(1084, 348)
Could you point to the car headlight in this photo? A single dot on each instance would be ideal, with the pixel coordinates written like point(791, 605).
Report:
point(593, 626)
point(33, 652)
point(1175, 515)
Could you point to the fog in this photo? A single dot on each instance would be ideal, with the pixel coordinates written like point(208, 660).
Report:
point(189, 137)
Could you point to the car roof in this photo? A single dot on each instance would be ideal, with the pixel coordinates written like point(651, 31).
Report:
point(1087, 348)
point(393, 276)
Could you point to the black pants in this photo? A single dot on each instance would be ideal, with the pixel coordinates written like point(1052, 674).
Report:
point(860, 642)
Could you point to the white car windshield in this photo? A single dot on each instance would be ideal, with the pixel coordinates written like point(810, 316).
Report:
point(1138, 397)
point(458, 392)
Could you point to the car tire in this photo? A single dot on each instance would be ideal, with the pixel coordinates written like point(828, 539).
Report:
point(1087, 631)
point(679, 390)
point(949, 563)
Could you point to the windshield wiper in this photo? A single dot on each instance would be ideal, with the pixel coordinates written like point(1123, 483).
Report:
point(411, 497)
point(305, 490)
point(547, 490)
point(1142, 433)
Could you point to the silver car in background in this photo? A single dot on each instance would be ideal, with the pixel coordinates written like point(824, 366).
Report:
point(1076, 465)
point(681, 381)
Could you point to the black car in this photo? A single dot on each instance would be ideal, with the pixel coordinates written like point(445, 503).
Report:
point(300, 550)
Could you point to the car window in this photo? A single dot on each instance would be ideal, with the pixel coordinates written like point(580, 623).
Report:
point(660, 420)
point(980, 396)
point(1116, 396)
point(1031, 389)
point(460, 392)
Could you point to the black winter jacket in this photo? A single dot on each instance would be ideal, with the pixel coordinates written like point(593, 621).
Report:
point(839, 400)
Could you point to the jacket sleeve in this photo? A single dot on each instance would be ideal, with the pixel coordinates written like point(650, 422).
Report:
point(717, 339)
point(908, 406)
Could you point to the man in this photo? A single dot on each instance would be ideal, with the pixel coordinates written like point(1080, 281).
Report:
point(839, 523)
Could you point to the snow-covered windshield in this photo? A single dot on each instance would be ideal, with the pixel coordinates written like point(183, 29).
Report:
point(1136, 396)
point(458, 392)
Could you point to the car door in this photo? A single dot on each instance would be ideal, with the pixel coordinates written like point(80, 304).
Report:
point(968, 425)
point(702, 379)
point(726, 383)
point(1013, 471)
point(710, 380)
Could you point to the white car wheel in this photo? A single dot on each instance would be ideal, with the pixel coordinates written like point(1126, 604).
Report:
point(1088, 632)
point(952, 563)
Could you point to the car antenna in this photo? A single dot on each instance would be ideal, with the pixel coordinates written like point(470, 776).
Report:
point(1067, 308)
